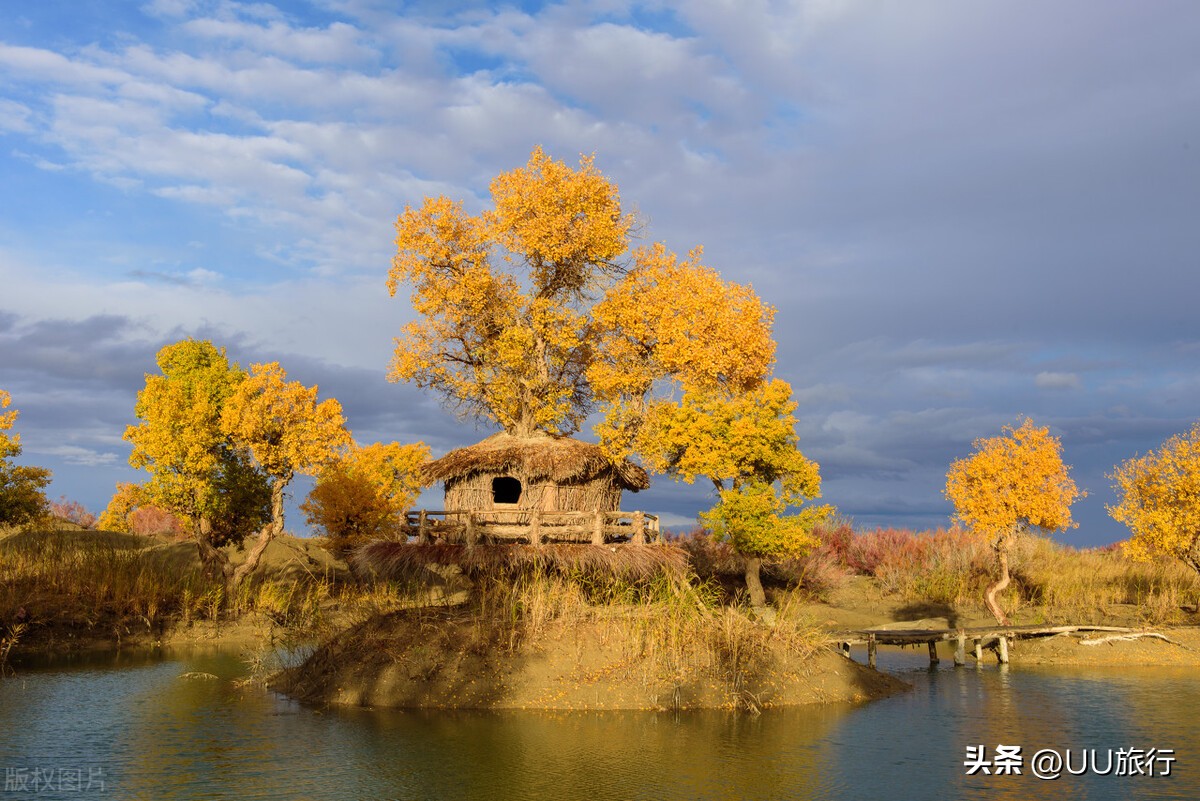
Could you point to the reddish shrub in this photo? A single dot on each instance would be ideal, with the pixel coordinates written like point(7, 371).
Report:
point(151, 521)
point(72, 512)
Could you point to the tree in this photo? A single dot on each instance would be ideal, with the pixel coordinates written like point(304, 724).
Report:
point(746, 444)
point(115, 517)
point(281, 425)
point(361, 495)
point(72, 512)
point(1010, 483)
point(511, 349)
point(22, 489)
point(529, 318)
point(671, 327)
point(192, 462)
point(1160, 500)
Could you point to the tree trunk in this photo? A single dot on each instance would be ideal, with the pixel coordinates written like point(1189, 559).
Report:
point(758, 598)
point(214, 561)
point(989, 597)
point(269, 532)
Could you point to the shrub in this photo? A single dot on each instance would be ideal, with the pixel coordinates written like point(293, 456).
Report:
point(73, 512)
point(351, 511)
point(153, 521)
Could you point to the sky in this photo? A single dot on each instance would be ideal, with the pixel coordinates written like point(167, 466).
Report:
point(964, 213)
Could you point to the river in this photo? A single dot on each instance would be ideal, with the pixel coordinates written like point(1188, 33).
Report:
point(129, 726)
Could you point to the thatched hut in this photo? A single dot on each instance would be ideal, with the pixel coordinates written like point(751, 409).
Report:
point(542, 472)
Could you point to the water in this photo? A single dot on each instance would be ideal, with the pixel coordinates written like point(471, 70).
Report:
point(130, 727)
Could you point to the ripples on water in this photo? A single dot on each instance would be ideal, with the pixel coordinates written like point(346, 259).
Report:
point(134, 724)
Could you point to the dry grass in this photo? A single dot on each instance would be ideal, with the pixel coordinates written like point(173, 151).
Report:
point(952, 567)
point(111, 585)
point(399, 560)
point(1084, 583)
point(677, 630)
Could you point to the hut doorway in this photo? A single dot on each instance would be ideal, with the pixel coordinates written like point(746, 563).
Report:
point(506, 490)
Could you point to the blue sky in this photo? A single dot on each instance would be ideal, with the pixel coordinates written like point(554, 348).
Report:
point(964, 213)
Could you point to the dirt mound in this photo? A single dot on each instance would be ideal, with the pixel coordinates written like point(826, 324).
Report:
point(452, 658)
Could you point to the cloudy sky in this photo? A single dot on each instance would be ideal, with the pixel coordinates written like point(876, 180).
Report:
point(964, 212)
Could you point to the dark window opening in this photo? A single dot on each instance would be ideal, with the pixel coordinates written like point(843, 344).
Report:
point(506, 490)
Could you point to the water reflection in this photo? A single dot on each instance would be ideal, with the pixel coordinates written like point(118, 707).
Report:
point(158, 736)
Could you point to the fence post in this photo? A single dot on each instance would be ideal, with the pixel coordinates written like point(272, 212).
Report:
point(639, 528)
point(598, 529)
point(535, 527)
point(471, 532)
point(423, 528)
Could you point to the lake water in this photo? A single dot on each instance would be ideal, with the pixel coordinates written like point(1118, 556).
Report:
point(129, 727)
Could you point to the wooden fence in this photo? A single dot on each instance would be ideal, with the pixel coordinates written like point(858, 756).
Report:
point(532, 526)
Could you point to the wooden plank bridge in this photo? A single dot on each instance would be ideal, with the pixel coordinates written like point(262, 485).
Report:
point(995, 638)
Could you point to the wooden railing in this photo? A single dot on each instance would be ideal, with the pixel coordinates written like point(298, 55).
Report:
point(533, 526)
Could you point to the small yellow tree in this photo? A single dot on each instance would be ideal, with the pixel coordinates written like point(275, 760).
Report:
point(361, 495)
point(1012, 482)
point(125, 500)
point(1160, 500)
point(285, 429)
point(22, 495)
point(747, 446)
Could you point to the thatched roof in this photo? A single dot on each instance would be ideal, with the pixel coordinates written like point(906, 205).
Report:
point(541, 456)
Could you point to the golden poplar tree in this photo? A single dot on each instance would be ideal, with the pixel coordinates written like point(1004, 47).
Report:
point(746, 444)
point(180, 441)
point(509, 347)
point(22, 495)
point(285, 431)
point(1160, 500)
point(1010, 483)
point(531, 315)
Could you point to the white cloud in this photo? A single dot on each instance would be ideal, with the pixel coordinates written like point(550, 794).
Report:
point(15, 116)
point(74, 454)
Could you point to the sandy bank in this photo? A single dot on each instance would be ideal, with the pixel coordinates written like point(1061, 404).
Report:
point(422, 659)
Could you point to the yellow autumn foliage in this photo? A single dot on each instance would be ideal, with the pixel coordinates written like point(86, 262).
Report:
point(180, 440)
point(282, 425)
point(10, 444)
point(497, 346)
point(1160, 500)
point(393, 469)
point(1013, 481)
point(746, 444)
point(115, 517)
point(673, 324)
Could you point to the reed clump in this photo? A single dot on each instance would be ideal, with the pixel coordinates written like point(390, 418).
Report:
point(1085, 582)
point(108, 585)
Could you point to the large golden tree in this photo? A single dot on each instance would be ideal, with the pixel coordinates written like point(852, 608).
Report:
point(534, 313)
